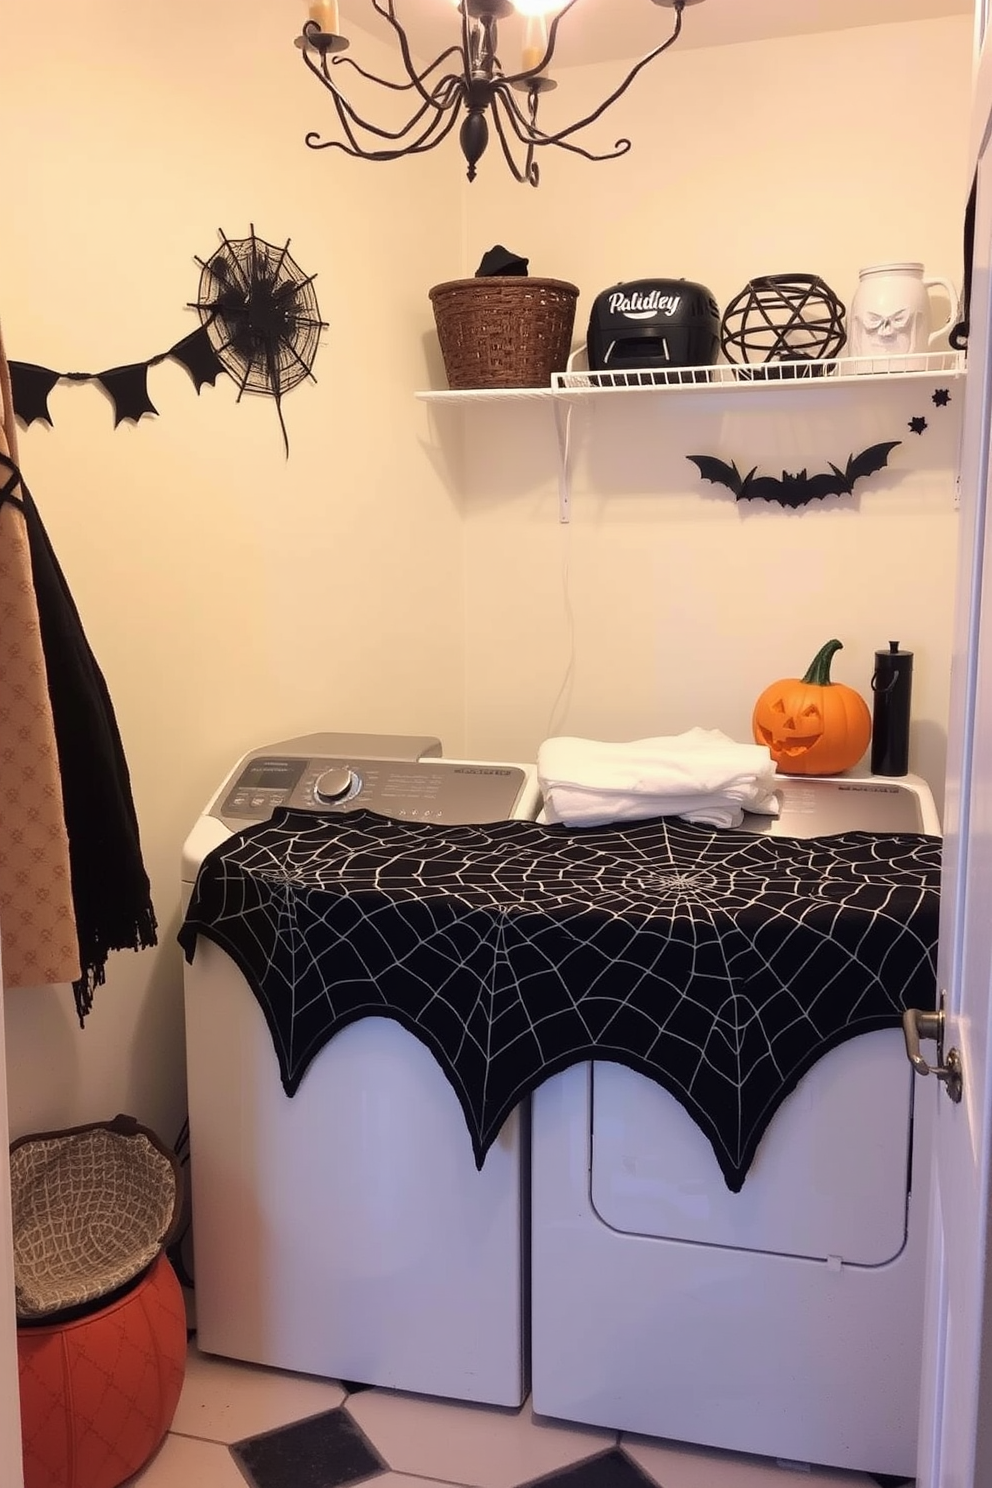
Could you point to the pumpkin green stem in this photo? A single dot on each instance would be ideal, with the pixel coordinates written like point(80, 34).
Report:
point(819, 668)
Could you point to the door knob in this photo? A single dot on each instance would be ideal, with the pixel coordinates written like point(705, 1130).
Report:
point(918, 1024)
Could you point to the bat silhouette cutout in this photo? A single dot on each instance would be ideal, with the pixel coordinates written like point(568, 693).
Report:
point(196, 354)
point(128, 389)
point(800, 488)
point(30, 386)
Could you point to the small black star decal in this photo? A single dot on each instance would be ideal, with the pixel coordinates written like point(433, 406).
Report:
point(941, 398)
point(917, 425)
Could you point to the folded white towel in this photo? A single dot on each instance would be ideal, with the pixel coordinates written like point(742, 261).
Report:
point(701, 775)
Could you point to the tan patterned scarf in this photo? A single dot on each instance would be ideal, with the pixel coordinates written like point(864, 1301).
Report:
point(37, 920)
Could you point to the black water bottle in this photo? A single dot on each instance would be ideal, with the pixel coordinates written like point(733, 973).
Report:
point(892, 687)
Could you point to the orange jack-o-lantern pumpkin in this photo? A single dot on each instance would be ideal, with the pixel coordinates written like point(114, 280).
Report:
point(813, 726)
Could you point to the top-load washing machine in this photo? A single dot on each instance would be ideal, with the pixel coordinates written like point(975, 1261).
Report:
point(785, 1319)
point(346, 1231)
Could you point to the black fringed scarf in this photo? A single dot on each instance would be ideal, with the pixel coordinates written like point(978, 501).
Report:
point(110, 888)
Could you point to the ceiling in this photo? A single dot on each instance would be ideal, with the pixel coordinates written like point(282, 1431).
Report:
point(601, 30)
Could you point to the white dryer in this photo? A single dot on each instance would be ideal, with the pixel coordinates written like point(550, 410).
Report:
point(346, 1232)
point(784, 1320)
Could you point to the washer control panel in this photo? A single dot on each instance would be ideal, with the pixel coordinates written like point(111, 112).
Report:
point(412, 790)
point(813, 808)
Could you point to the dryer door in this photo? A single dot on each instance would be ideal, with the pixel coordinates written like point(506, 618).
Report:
point(830, 1178)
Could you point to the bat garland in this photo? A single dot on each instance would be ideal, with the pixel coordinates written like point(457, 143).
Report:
point(798, 489)
point(127, 386)
point(259, 322)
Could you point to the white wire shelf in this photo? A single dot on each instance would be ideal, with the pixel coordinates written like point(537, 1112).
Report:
point(778, 375)
point(482, 395)
point(767, 374)
point(570, 389)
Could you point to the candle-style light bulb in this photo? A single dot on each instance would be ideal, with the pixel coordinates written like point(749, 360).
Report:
point(535, 41)
point(325, 14)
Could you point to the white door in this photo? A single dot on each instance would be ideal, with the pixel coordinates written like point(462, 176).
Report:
point(956, 1427)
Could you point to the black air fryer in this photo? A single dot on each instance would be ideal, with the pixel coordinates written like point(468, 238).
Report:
point(653, 323)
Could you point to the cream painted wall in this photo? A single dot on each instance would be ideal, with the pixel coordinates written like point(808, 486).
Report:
point(405, 569)
point(231, 596)
point(664, 604)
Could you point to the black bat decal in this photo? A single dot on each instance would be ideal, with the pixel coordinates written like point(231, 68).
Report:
point(794, 490)
point(128, 389)
point(197, 355)
point(30, 387)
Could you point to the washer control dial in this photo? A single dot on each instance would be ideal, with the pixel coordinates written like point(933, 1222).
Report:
point(335, 785)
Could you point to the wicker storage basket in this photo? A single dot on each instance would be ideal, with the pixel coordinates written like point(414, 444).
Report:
point(92, 1207)
point(504, 331)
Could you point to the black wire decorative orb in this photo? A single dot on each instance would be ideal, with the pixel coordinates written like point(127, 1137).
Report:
point(783, 318)
point(261, 314)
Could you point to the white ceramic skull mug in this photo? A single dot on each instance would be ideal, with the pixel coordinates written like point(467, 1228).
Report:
point(891, 313)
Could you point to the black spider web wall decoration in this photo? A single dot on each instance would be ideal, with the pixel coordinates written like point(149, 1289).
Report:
point(260, 311)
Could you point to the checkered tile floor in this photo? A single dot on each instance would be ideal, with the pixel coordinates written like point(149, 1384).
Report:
point(237, 1424)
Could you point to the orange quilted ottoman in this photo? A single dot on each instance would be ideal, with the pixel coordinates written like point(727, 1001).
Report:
point(98, 1393)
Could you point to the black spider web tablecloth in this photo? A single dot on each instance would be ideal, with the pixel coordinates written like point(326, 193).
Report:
point(719, 963)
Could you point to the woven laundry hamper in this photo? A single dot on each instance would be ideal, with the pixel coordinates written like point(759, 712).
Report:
point(504, 330)
point(101, 1336)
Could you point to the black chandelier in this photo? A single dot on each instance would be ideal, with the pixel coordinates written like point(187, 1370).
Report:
point(466, 82)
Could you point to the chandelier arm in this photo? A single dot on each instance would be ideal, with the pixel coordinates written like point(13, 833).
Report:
point(347, 116)
point(438, 129)
point(449, 89)
point(562, 134)
point(416, 80)
point(525, 126)
point(436, 132)
point(341, 59)
point(347, 113)
point(442, 95)
point(528, 132)
point(529, 174)
point(621, 147)
point(353, 147)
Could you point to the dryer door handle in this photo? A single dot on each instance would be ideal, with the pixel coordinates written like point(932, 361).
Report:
point(918, 1024)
